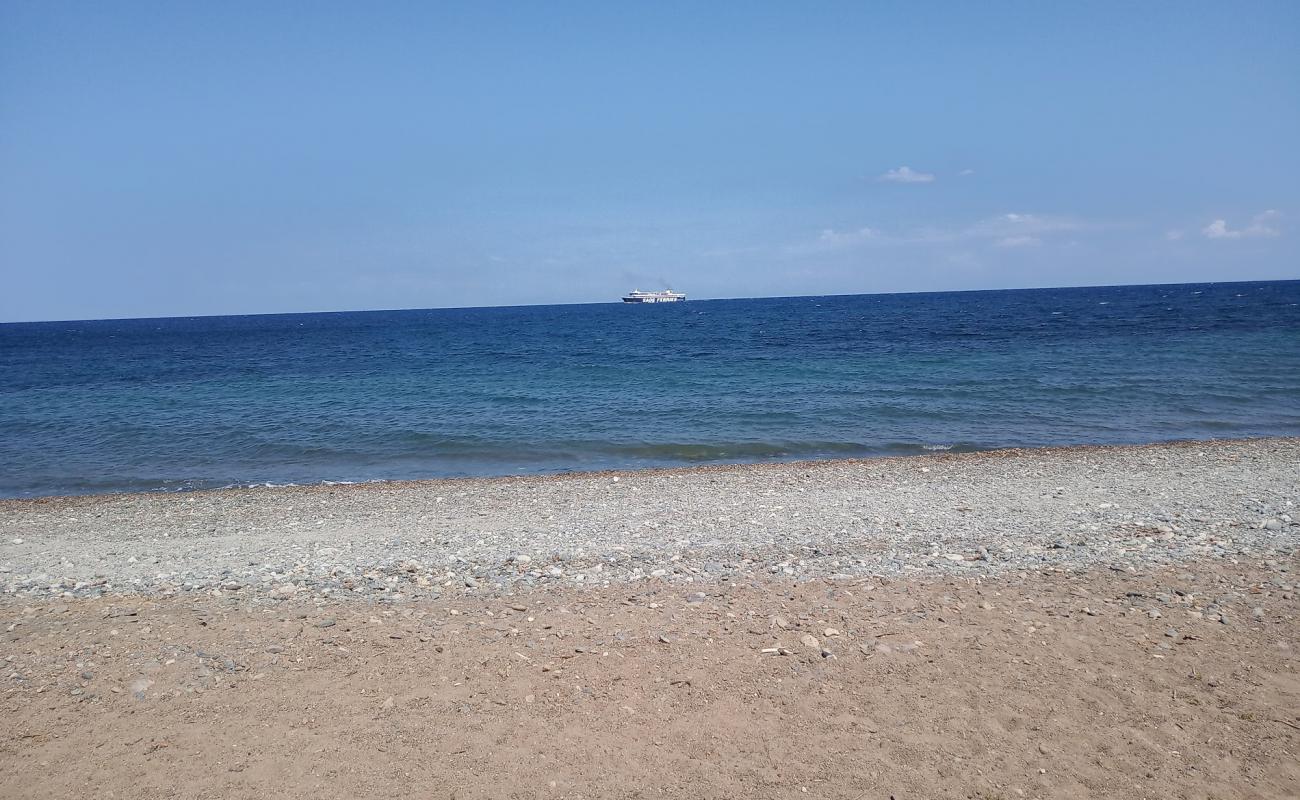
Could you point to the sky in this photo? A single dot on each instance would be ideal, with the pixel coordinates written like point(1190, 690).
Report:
point(186, 158)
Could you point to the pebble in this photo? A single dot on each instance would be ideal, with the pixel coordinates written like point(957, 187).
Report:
point(487, 525)
point(810, 641)
point(328, 622)
point(831, 632)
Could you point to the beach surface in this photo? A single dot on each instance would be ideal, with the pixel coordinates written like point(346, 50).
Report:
point(1035, 623)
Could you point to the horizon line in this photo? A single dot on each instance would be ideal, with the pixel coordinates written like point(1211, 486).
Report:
point(619, 302)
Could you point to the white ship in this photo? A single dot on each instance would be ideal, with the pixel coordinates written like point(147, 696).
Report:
point(666, 296)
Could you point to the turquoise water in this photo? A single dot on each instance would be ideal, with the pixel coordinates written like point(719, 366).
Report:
point(160, 404)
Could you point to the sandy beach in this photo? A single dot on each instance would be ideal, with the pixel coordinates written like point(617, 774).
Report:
point(1045, 623)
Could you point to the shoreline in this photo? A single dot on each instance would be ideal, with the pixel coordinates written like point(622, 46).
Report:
point(725, 466)
point(969, 513)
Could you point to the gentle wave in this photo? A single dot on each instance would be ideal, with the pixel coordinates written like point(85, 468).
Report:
point(179, 404)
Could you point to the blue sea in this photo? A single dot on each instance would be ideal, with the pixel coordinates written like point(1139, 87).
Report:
point(186, 403)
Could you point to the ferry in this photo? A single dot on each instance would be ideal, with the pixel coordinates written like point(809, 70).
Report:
point(666, 296)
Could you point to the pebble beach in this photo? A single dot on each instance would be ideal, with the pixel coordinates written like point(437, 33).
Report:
point(1065, 622)
point(967, 514)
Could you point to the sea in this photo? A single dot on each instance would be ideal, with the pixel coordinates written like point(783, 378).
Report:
point(190, 403)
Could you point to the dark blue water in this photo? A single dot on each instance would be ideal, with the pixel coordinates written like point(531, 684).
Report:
point(184, 403)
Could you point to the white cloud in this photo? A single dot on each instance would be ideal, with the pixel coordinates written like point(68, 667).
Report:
point(837, 238)
point(1174, 235)
point(1004, 230)
point(966, 172)
point(1261, 226)
point(907, 175)
point(831, 240)
point(1021, 226)
point(1018, 241)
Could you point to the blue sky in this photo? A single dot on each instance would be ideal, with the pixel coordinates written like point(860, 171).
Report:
point(182, 158)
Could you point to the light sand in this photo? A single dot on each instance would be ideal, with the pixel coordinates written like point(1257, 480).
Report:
point(1134, 661)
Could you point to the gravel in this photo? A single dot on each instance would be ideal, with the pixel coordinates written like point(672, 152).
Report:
point(1128, 508)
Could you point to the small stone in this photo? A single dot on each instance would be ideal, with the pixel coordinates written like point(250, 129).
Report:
point(328, 622)
point(1172, 633)
point(810, 641)
point(1257, 612)
point(781, 622)
point(1089, 611)
point(696, 597)
point(1154, 614)
point(518, 607)
point(831, 632)
point(665, 640)
point(827, 653)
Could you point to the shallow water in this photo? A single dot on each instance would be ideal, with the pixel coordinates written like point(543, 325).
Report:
point(216, 401)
